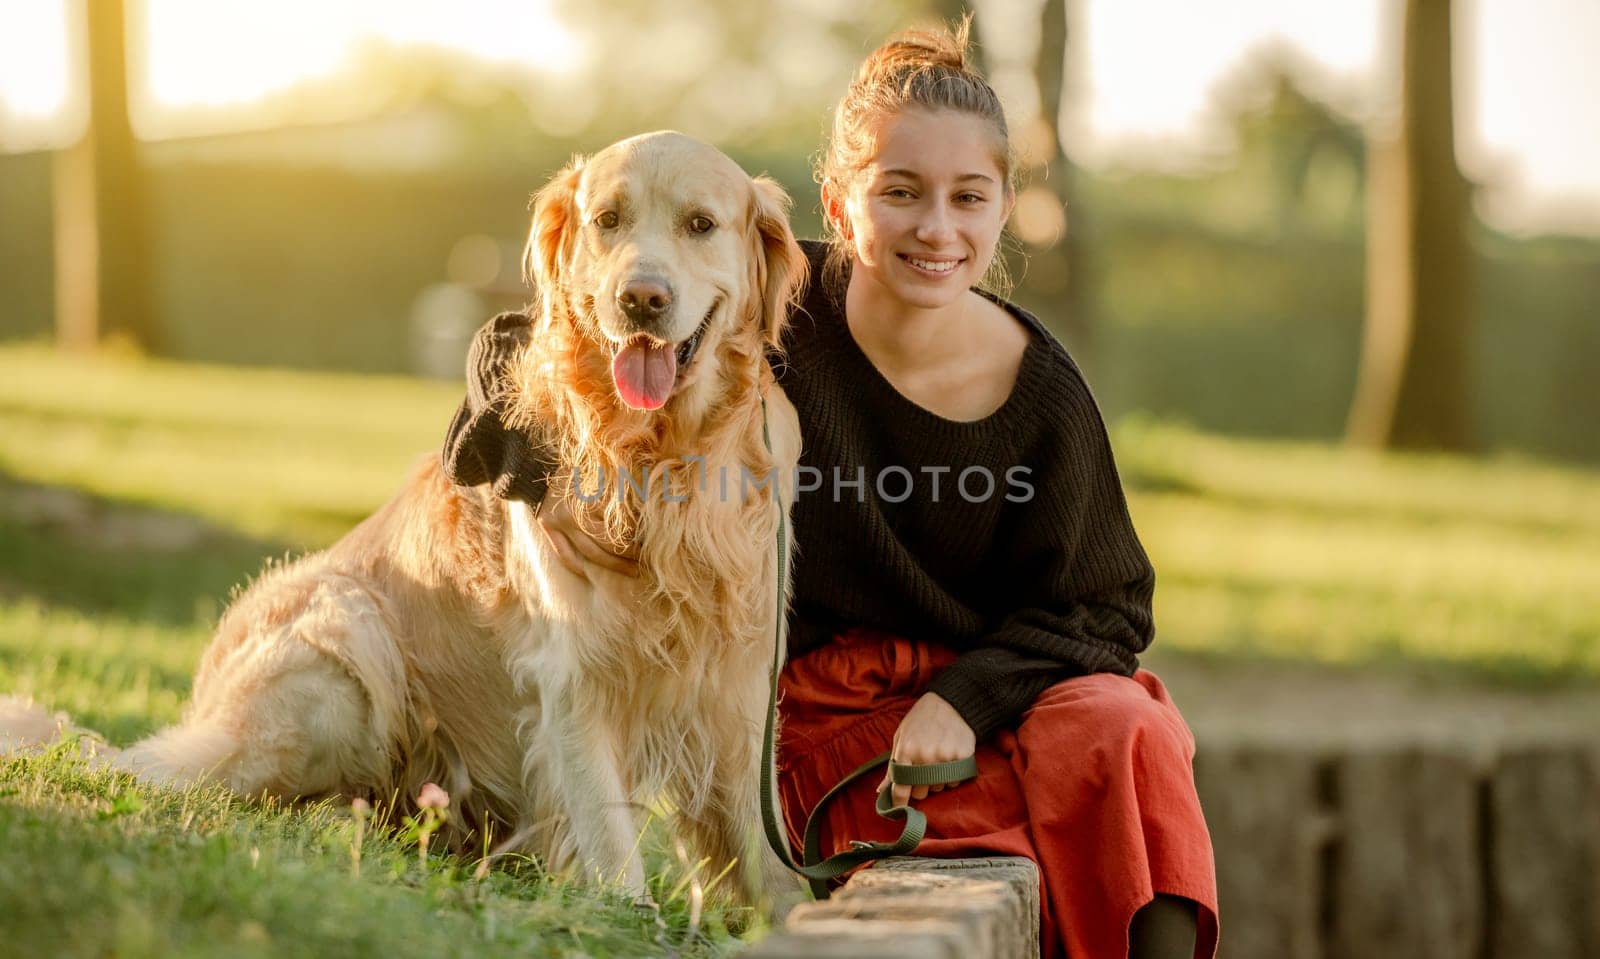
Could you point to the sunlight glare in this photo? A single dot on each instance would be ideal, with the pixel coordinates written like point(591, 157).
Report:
point(1535, 82)
point(34, 79)
point(1153, 66)
point(205, 53)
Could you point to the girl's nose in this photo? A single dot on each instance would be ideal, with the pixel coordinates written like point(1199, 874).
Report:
point(936, 225)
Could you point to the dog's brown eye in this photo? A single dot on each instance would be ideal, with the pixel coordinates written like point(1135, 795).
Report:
point(606, 220)
point(701, 224)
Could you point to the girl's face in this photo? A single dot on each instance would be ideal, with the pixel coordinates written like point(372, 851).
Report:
point(925, 213)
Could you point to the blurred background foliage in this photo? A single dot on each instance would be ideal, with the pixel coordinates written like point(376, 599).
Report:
point(1228, 294)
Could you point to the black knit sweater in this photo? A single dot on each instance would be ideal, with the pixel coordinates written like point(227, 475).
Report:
point(1006, 538)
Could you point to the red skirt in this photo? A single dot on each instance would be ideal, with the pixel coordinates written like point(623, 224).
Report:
point(1095, 785)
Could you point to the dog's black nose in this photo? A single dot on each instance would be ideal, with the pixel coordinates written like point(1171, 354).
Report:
point(645, 300)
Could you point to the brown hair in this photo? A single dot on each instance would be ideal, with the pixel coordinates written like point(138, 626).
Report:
point(918, 68)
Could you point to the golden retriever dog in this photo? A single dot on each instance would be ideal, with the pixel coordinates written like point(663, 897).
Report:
point(442, 640)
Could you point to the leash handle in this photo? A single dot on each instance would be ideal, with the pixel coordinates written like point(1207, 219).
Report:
point(816, 870)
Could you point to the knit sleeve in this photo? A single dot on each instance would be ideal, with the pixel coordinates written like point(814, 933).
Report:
point(1085, 585)
point(478, 446)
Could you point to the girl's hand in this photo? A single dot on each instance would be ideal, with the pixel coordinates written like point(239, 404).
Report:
point(577, 550)
point(932, 732)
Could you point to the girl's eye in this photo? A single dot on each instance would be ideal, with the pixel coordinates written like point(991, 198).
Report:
point(897, 192)
point(970, 198)
point(701, 224)
point(606, 220)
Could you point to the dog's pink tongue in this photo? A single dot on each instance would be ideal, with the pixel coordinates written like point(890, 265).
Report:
point(644, 374)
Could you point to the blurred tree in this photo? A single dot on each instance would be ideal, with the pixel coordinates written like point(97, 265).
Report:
point(744, 76)
point(1294, 149)
point(1057, 256)
point(1062, 265)
point(1412, 390)
point(102, 262)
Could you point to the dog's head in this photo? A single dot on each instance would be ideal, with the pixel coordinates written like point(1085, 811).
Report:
point(661, 249)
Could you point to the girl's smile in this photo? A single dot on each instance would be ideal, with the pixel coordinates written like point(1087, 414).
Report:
point(933, 266)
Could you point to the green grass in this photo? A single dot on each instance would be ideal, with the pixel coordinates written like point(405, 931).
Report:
point(257, 452)
point(135, 494)
point(1304, 551)
point(96, 866)
point(133, 497)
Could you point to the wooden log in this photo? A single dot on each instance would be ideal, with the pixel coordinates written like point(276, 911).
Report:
point(980, 908)
point(1545, 849)
point(832, 938)
point(1017, 873)
point(1269, 823)
point(1406, 876)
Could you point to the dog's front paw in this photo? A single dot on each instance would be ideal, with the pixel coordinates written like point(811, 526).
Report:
point(781, 901)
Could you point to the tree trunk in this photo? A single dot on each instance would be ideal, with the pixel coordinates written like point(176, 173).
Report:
point(101, 268)
point(1057, 271)
point(1063, 268)
point(1413, 388)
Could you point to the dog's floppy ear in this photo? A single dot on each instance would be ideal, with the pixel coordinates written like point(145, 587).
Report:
point(780, 265)
point(555, 223)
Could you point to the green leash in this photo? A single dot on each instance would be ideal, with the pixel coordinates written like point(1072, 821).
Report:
point(812, 866)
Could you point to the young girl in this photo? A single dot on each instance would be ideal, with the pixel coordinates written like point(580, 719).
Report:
point(967, 580)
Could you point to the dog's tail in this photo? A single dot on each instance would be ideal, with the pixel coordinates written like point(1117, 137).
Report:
point(175, 756)
point(26, 725)
point(180, 754)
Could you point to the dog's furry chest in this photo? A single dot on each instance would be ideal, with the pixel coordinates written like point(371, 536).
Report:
point(676, 674)
point(671, 629)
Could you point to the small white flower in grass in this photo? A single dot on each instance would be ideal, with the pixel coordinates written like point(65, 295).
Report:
point(432, 797)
